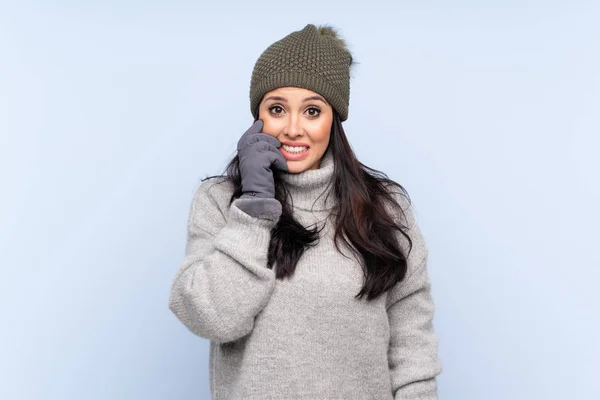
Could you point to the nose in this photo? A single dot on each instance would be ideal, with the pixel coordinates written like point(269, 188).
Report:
point(294, 128)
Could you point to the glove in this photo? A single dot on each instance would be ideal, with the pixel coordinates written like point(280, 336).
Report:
point(258, 153)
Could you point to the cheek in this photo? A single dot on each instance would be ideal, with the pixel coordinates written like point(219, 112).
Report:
point(270, 125)
point(270, 128)
point(322, 131)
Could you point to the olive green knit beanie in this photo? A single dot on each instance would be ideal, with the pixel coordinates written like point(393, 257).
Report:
point(313, 58)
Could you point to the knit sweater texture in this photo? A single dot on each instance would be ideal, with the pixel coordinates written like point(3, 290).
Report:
point(306, 337)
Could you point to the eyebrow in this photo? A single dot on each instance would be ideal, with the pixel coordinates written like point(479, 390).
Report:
point(283, 99)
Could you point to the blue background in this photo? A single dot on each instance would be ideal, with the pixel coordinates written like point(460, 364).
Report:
point(111, 113)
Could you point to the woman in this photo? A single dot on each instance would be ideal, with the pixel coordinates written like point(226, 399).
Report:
point(305, 268)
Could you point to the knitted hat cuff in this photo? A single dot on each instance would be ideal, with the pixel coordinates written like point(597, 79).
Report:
point(298, 79)
point(313, 58)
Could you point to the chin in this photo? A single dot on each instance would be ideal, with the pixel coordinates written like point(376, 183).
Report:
point(296, 168)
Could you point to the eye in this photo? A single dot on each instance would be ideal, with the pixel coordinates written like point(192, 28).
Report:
point(314, 111)
point(276, 110)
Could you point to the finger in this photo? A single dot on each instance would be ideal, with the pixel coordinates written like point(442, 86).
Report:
point(262, 137)
point(263, 146)
point(278, 160)
point(256, 127)
point(274, 155)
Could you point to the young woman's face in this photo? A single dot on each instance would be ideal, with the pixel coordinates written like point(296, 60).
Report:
point(298, 117)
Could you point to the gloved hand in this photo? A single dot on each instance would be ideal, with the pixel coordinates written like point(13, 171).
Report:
point(258, 153)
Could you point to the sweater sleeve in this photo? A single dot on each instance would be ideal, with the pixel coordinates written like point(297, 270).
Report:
point(413, 349)
point(223, 281)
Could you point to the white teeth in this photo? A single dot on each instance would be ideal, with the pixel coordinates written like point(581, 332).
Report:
point(293, 149)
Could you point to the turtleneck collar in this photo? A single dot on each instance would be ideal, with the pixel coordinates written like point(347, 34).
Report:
point(309, 188)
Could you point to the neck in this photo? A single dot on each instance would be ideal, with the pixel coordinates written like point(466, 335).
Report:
point(310, 188)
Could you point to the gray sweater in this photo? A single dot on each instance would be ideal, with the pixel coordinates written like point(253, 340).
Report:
point(306, 337)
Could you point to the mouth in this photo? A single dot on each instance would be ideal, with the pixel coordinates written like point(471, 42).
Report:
point(293, 153)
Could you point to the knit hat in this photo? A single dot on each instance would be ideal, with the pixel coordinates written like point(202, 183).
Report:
point(312, 58)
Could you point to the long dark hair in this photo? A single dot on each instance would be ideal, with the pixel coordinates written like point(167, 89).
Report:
point(362, 221)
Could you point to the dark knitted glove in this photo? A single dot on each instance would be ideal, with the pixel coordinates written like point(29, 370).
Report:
point(258, 153)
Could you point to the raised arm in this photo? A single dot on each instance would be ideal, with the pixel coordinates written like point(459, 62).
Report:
point(223, 282)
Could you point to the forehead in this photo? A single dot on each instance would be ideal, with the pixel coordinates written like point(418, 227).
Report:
point(291, 92)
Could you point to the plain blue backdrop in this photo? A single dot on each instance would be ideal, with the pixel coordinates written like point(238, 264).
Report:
point(111, 113)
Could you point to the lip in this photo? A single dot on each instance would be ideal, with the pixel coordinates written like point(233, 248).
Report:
point(299, 144)
point(294, 156)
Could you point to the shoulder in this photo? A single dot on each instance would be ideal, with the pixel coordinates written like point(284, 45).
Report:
point(210, 202)
point(403, 208)
point(405, 213)
point(218, 189)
